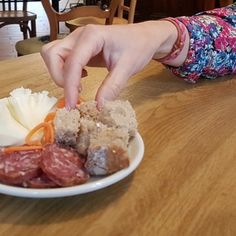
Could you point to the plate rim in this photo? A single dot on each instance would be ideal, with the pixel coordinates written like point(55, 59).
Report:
point(78, 189)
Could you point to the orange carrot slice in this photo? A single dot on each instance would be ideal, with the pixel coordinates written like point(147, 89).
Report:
point(50, 117)
point(49, 133)
point(52, 134)
point(61, 103)
point(48, 136)
point(36, 129)
point(21, 148)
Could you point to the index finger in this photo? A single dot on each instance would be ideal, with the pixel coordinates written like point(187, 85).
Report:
point(53, 61)
point(55, 54)
point(88, 45)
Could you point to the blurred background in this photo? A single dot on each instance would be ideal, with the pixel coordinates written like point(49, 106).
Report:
point(145, 10)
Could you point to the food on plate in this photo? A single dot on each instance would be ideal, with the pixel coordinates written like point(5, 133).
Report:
point(41, 181)
point(66, 125)
point(51, 167)
point(11, 132)
point(102, 136)
point(17, 167)
point(62, 148)
point(63, 166)
point(21, 112)
point(28, 108)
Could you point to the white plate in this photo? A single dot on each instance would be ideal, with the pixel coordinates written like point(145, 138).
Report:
point(136, 151)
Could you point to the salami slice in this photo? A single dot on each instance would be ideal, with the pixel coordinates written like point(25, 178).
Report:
point(41, 181)
point(63, 166)
point(18, 167)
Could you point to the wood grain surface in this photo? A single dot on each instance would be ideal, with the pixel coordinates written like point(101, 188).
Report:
point(186, 183)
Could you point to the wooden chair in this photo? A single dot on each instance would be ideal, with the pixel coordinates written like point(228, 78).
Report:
point(130, 11)
point(119, 19)
point(34, 45)
point(224, 3)
point(15, 12)
point(206, 5)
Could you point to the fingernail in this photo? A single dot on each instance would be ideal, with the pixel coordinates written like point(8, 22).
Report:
point(80, 88)
point(68, 107)
point(100, 104)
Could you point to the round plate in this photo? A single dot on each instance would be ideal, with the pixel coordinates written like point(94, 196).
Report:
point(136, 151)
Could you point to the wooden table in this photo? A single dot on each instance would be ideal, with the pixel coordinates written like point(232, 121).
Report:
point(186, 183)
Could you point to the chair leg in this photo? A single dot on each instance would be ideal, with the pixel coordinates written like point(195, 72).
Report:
point(24, 29)
point(33, 29)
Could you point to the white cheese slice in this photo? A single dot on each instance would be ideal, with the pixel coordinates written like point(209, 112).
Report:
point(28, 108)
point(11, 132)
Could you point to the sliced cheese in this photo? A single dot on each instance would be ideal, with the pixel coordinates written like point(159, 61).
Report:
point(11, 132)
point(28, 108)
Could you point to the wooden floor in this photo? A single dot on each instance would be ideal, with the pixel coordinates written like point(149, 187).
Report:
point(9, 35)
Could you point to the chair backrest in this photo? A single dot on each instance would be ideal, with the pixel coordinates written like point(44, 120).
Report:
point(129, 9)
point(224, 3)
point(13, 5)
point(54, 17)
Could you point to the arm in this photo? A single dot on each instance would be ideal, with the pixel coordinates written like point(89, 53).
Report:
point(209, 50)
point(125, 50)
point(212, 49)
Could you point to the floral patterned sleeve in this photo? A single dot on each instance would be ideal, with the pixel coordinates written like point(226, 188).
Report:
point(212, 50)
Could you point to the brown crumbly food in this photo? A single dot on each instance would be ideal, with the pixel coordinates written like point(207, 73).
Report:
point(88, 129)
point(108, 151)
point(116, 113)
point(67, 125)
point(89, 110)
point(103, 160)
point(119, 114)
point(102, 136)
point(106, 136)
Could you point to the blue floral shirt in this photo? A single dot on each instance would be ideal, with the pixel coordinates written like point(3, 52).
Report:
point(212, 49)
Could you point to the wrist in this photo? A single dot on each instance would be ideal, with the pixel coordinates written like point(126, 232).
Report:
point(172, 45)
point(161, 35)
point(168, 40)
